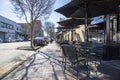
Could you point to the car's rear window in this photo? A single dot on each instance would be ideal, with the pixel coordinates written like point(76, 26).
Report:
point(39, 38)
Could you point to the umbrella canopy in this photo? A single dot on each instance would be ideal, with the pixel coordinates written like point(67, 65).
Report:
point(97, 8)
point(79, 8)
point(73, 22)
point(68, 9)
point(89, 8)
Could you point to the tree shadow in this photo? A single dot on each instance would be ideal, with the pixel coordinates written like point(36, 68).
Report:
point(53, 63)
point(82, 70)
point(27, 68)
point(110, 73)
point(23, 71)
point(87, 72)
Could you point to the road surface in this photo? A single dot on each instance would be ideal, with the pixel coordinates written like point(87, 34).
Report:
point(10, 56)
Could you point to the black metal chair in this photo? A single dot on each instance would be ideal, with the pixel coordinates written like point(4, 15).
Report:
point(72, 57)
point(69, 54)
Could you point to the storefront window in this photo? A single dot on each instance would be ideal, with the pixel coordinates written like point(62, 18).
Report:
point(3, 25)
point(115, 31)
point(0, 24)
point(11, 27)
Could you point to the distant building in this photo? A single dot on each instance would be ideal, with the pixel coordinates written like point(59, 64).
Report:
point(37, 29)
point(26, 30)
point(9, 29)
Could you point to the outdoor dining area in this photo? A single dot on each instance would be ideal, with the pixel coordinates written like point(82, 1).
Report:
point(91, 50)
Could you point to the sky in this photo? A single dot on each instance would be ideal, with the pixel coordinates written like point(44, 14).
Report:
point(6, 11)
point(56, 16)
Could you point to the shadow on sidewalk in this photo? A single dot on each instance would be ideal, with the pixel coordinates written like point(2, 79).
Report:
point(33, 66)
point(54, 61)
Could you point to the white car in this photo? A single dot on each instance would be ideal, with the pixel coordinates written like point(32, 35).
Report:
point(96, 39)
point(1, 40)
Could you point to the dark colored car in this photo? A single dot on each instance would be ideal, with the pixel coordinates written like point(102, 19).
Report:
point(48, 40)
point(39, 41)
point(19, 40)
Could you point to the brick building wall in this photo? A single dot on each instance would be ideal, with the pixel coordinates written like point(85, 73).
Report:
point(37, 29)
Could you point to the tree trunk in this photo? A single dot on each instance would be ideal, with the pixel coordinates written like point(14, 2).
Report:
point(32, 35)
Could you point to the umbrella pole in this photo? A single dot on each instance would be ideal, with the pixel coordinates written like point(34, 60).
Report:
point(86, 33)
point(108, 29)
point(86, 19)
point(71, 36)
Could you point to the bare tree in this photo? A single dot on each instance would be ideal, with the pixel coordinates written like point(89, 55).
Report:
point(49, 28)
point(32, 10)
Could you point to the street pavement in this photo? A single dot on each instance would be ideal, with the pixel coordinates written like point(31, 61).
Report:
point(46, 64)
point(10, 56)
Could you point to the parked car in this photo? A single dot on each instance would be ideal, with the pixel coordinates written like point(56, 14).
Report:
point(96, 39)
point(10, 40)
point(48, 40)
point(1, 40)
point(39, 41)
point(19, 40)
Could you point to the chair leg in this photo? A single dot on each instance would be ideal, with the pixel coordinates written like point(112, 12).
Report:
point(77, 69)
point(65, 64)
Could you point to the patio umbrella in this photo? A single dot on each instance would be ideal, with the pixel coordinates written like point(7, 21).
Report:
point(93, 9)
point(79, 8)
point(69, 8)
point(67, 27)
point(73, 22)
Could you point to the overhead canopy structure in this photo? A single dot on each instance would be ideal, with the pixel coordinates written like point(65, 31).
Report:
point(68, 27)
point(82, 8)
point(73, 22)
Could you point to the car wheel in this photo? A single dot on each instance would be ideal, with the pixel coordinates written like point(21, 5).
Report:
point(35, 44)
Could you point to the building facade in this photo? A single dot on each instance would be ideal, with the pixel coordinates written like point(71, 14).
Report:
point(71, 35)
point(9, 29)
point(26, 30)
point(37, 29)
